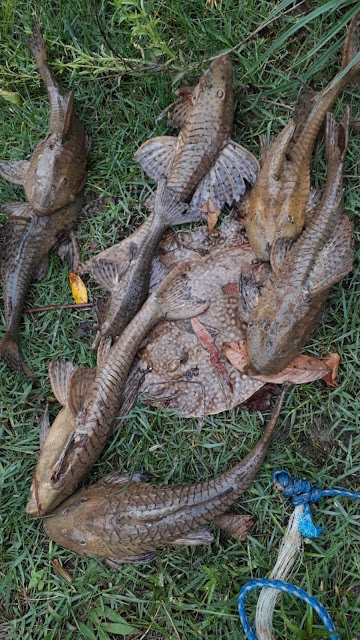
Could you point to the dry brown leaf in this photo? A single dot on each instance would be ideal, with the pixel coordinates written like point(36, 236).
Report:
point(235, 524)
point(231, 289)
point(61, 571)
point(301, 370)
point(78, 288)
point(212, 214)
point(208, 343)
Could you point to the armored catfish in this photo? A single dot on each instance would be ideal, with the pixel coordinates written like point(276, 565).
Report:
point(97, 408)
point(56, 172)
point(201, 165)
point(277, 203)
point(291, 303)
point(124, 519)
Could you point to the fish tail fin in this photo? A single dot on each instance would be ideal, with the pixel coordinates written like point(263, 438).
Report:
point(168, 207)
point(336, 139)
point(36, 44)
point(352, 46)
point(176, 298)
point(11, 355)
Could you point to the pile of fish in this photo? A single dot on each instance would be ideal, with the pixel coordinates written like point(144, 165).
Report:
point(176, 300)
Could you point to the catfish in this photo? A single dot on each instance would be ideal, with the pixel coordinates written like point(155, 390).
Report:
point(291, 304)
point(56, 172)
point(201, 167)
point(24, 257)
point(277, 203)
point(96, 406)
point(126, 519)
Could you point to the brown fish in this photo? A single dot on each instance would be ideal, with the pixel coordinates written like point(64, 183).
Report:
point(24, 257)
point(56, 172)
point(97, 408)
point(201, 164)
point(125, 519)
point(277, 203)
point(291, 303)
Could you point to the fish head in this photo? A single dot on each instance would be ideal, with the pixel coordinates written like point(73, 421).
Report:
point(45, 493)
point(214, 91)
point(51, 182)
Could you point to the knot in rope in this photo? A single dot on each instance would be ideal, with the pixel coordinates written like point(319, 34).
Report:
point(298, 491)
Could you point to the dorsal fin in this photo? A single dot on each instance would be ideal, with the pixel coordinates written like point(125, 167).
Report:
point(79, 385)
point(60, 372)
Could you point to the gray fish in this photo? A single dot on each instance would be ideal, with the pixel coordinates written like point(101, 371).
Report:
point(56, 172)
point(125, 519)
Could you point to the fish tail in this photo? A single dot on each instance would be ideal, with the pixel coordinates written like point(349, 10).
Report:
point(11, 355)
point(36, 44)
point(336, 139)
point(168, 207)
point(176, 298)
point(352, 46)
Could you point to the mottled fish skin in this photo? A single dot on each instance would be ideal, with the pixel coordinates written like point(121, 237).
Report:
point(56, 172)
point(291, 303)
point(124, 519)
point(28, 239)
point(95, 420)
point(277, 203)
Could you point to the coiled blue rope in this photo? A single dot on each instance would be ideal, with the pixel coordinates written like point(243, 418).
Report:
point(299, 492)
point(287, 588)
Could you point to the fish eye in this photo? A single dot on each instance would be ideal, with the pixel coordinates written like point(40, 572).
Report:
point(220, 94)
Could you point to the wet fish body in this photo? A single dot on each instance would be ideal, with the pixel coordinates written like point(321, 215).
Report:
point(97, 406)
point(28, 239)
point(123, 519)
point(56, 172)
point(200, 165)
point(277, 203)
point(291, 303)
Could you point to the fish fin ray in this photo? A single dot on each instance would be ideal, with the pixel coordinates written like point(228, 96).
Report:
point(117, 478)
point(108, 273)
point(10, 353)
point(69, 251)
point(336, 138)
point(182, 106)
point(335, 260)
point(175, 297)
point(249, 297)
point(68, 106)
point(60, 372)
point(79, 384)
point(312, 203)
point(103, 349)
point(155, 156)
point(140, 558)
point(42, 268)
point(15, 172)
point(203, 535)
point(352, 45)
point(158, 272)
point(44, 426)
point(168, 206)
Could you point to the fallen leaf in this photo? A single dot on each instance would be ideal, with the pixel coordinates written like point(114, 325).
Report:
point(235, 524)
point(208, 343)
point(61, 571)
point(231, 289)
point(212, 214)
point(301, 370)
point(78, 288)
point(10, 96)
point(261, 399)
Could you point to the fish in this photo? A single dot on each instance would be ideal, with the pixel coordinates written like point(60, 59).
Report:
point(200, 165)
point(291, 303)
point(97, 406)
point(24, 258)
point(56, 172)
point(124, 519)
point(275, 208)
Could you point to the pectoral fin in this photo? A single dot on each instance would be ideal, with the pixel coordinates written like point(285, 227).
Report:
point(60, 372)
point(44, 426)
point(107, 273)
point(116, 478)
point(249, 297)
point(15, 172)
point(69, 251)
point(158, 273)
point(155, 156)
point(42, 268)
point(335, 260)
point(278, 253)
point(79, 386)
point(115, 563)
point(195, 538)
point(225, 182)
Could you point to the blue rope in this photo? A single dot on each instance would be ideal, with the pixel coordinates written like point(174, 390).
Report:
point(301, 491)
point(287, 588)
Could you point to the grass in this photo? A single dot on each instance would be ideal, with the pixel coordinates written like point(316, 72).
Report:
point(124, 59)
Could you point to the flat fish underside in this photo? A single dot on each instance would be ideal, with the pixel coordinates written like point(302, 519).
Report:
point(184, 373)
